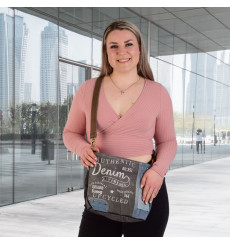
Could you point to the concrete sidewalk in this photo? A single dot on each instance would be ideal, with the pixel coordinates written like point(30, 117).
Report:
point(199, 198)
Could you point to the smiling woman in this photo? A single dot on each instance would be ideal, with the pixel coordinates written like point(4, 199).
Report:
point(123, 55)
point(132, 110)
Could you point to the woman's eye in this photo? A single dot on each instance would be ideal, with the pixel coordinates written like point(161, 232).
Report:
point(115, 46)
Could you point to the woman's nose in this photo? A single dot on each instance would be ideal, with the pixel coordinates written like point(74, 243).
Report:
point(121, 50)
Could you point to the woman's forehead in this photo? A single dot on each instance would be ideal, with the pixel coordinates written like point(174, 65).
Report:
point(120, 36)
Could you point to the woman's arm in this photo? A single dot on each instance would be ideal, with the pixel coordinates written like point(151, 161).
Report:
point(166, 147)
point(75, 128)
point(165, 138)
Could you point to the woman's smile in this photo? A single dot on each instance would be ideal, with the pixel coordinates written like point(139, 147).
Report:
point(123, 60)
point(123, 51)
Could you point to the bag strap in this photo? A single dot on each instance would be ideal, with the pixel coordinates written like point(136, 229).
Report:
point(93, 125)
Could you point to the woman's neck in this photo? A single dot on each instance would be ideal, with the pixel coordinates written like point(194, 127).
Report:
point(124, 79)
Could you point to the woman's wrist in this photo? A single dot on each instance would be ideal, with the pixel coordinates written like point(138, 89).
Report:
point(155, 172)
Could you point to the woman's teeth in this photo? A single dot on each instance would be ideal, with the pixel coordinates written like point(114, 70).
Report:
point(122, 61)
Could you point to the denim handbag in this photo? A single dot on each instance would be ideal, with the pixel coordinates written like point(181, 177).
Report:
point(112, 186)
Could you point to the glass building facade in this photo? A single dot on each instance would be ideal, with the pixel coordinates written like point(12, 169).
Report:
point(47, 53)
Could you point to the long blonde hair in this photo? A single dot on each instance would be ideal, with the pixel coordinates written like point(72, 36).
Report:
point(143, 67)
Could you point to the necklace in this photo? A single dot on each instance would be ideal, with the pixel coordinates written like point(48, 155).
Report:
point(123, 91)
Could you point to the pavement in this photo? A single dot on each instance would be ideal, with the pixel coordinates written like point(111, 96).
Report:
point(199, 197)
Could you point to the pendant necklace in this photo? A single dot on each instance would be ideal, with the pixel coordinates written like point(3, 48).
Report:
point(122, 91)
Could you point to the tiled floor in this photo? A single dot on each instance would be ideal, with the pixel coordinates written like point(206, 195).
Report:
point(199, 198)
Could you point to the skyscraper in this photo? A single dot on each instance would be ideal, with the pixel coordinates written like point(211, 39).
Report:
point(49, 53)
point(7, 69)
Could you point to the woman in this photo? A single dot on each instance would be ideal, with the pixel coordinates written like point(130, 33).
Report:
point(132, 109)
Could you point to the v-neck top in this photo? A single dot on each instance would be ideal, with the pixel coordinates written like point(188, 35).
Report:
point(149, 119)
point(137, 101)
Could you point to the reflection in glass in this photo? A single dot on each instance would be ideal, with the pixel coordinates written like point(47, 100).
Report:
point(179, 56)
point(153, 40)
point(102, 17)
point(97, 53)
point(35, 99)
point(209, 98)
point(202, 64)
point(177, 96)
point(189, 138)
point(77, 16)
point(165, 74)
point(75, 46)
point(70, 169)
point(191, 58)
point(144, 32)
point(95, 73)
point(153, 65)
point(130, 16)
point(6, 103)
point(165, 46)
point(199, 119)
point(227, 73)
point(35, 107)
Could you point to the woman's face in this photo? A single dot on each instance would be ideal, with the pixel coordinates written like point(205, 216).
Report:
point(123, 50)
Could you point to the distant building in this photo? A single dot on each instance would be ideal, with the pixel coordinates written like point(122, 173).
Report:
point(7, 68)
point(48, 71)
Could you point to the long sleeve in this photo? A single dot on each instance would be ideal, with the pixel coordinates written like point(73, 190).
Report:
point(165, 138)
point(75, 128)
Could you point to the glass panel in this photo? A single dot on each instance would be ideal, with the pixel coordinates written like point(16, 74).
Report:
point(78, 170)
point(189, 137)
point(226, 79)
point(226, 57)
point(211, 67)
point(153, 65)
point(77, 17)
point(43, 12)
point(218, 149)
point(201, 64)
point(95, 73)
point(219, 54)
point(70, 170)
point(221, 119)
point(50, 11)
point(97, 51)
point(228, 125)
point(102, 17)
point(165, 46)
point(130, 16)
point(35, 113)
point(75, 46)
point(179, 57)
point(6, 103)
point(199, 119)
point(209, 99)
point(64, 166)
point(165, 74)
point(154, 41)
point(144, 32)
point(178, 101)
point(213, 53)
point(191, 58)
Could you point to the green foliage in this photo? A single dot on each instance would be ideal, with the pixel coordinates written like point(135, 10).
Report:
point(44, 119)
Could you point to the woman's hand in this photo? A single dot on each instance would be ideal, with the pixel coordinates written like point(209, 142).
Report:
point(151, 183)
point(88, 158)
